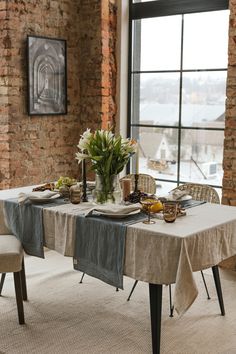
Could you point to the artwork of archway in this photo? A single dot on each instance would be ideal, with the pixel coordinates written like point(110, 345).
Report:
point(47, 76)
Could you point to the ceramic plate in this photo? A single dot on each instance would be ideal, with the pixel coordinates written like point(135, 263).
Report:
point(43, 200)
point(186, 197)
point(118, 216)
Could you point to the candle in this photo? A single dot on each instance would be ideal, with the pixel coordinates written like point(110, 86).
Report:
point(126, 187)
point(137, 160)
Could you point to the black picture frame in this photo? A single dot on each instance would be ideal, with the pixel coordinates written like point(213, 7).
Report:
point(47, 76)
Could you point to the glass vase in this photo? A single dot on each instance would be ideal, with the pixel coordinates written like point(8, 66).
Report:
point(107, 189)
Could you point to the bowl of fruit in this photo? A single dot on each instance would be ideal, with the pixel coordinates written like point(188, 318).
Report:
point(63, 185)
point(152, 203)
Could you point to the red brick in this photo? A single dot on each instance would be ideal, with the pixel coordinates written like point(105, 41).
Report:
point(42, 148)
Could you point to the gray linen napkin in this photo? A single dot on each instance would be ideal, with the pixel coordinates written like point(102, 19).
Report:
point(113, 209)
point(24, 197)
point(26, 223)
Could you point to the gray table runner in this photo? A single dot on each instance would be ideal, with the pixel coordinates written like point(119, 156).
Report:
point(100, 247)
point(26, 223)
point(186, 204)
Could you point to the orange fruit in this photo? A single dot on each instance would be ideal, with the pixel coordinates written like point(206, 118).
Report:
point(155, 208)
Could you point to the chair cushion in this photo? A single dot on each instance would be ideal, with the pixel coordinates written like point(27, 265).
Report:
point(11, 254)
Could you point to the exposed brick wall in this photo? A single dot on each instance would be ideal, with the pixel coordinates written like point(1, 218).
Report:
point(97, 62)
point(4, 107)
point(38, 149)
point(229, 161)
point(109, 68)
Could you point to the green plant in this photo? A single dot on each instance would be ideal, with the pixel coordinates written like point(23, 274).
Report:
point(108, 153)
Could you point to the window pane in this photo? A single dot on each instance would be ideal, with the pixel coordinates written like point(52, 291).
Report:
point(155, 99)
point(203, 99)
point(163, 188)
point(201, 156)
point(157, 152)
point(157, 43)
point(206, 40)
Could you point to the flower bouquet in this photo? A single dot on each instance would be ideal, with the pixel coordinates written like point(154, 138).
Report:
point(109, 154)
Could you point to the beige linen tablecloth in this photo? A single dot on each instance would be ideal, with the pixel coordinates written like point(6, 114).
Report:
point(160, 253)
point(166, 253)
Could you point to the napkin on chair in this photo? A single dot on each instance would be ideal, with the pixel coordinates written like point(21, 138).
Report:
point(115, 209)
point(24, 197)
point(179, 195)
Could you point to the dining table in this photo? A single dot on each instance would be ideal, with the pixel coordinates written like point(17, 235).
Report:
point(158, 254)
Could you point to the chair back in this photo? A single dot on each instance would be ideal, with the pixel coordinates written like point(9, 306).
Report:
point(3, 227)
point(200, 192)
point(146, 183)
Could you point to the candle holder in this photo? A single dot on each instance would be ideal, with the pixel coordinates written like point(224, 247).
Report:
point(84, 185)
point(136, 178)
point(136, 195)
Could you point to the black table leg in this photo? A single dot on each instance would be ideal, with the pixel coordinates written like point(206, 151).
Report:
point(216, 276)
point(155, 297)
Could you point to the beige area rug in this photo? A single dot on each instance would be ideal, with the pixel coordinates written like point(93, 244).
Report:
point(64, 316)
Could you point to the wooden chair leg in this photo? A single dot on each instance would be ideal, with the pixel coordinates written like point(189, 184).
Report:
point(2, 282)
point(23, 282)
point(19, 299)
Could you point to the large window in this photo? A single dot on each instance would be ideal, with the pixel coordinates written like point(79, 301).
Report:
point(177, 89)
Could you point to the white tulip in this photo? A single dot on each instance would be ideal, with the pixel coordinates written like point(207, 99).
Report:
point(80, 156)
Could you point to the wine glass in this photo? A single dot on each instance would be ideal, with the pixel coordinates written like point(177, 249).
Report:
point(147, 202)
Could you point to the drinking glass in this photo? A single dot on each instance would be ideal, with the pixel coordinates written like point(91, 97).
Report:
point(147, 202)
point(170, 211)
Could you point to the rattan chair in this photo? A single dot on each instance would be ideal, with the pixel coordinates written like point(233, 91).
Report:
point(197, 192)
point(200, 192)
point(146, 183)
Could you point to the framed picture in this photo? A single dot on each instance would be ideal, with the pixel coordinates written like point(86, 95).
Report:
point(47, 86)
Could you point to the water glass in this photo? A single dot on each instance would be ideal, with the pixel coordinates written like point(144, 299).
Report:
point(170, 211)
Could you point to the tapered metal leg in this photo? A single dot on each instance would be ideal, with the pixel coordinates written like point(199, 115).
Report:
point(204, 281)
point(171, 306)
point(135, 283)
point(2, 282)
point(155, 297)
point(19, 299)
point(23, 282)
point(81, 280)
point(216, 276)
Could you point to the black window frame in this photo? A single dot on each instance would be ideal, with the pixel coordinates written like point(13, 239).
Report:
point(158, 8)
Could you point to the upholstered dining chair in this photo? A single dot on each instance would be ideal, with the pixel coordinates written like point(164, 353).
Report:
point(198, 192)
point(12, 261)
